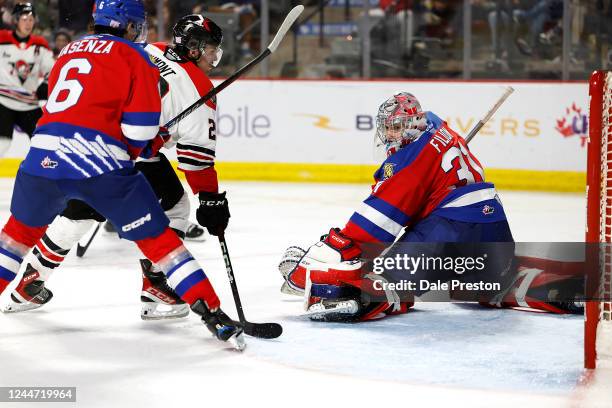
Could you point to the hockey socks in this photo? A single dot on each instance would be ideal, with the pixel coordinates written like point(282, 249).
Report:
point(10, 261)
point(11, 257)
point(184, 273)
point(50, 251)
point(187, 278)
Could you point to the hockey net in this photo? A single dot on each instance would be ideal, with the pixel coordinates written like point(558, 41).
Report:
point(598, 322)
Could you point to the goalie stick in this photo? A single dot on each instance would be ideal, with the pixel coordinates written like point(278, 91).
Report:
point(489, 114)
point(261, 330)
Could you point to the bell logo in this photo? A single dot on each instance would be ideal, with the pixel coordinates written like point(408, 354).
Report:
point(139, 222)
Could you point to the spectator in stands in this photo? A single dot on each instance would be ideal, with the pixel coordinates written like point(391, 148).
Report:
point(244, 8)
point(61, 38)
point(152, 34)
point(440, 18)
point(500, 23)
point(6, 18)
point(395, 6)
point(544, 11)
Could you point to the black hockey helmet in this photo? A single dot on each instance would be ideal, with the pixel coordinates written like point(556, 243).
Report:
point(194, 32)
point(23, 8)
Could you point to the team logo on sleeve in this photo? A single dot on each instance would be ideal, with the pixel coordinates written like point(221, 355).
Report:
point(488, 210)
point(47, 163)
point(388, 170)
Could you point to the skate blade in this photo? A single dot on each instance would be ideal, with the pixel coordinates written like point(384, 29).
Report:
point(149, 311)
point(320, 311)
point(13, 307)
point(200, 238)
point(237, 341)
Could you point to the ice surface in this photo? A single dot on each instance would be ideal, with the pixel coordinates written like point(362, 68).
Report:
point(91, 335)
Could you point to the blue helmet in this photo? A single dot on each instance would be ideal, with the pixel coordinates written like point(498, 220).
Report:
point(119, 13)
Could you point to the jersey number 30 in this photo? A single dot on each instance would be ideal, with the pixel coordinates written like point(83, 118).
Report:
point(460, 160)
point(73, 86)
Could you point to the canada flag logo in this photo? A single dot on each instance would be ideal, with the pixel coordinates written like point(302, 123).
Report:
point(574, 123)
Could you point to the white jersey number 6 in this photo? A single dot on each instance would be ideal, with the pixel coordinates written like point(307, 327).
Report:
point(73, 86)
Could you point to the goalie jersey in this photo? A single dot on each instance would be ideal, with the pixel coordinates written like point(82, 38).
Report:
point(436, 174)
point(183, 83)
point(24, 66)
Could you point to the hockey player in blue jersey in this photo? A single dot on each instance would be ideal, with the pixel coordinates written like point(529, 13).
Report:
point(83, 148)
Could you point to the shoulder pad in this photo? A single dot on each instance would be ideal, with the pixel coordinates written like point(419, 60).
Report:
point(6, 36)
point(39, 40)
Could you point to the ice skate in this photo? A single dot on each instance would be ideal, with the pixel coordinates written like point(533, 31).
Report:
point(158, 299)
point(220, 325)
point(195, 233)
point(329, 310)
point(30, 294)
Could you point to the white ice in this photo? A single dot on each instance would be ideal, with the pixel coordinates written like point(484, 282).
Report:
point(91, 336)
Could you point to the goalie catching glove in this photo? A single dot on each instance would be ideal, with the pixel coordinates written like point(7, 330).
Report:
point(341, 248)
point(335, 287)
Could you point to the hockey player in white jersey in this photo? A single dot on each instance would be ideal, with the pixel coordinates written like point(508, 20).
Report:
point(183, 66)
point(25, 62)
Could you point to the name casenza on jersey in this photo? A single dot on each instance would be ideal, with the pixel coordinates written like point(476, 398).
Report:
point(94, 46)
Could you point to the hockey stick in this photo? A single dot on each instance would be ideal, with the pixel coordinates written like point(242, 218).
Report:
point(81, 249)
point(289, 20)
point(489, 114)
point(261, 330)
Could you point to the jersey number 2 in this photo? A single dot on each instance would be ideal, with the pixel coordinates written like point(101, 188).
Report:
point(73, 86)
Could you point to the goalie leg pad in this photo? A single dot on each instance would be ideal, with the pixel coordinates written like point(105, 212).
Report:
point(343, 294)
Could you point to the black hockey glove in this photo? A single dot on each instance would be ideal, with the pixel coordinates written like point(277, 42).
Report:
point(213, 212)
point(42, 93)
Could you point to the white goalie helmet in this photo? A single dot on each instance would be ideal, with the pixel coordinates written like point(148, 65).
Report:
point(400, 121)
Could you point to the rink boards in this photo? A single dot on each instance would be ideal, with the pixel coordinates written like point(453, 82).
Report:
point(324, 131)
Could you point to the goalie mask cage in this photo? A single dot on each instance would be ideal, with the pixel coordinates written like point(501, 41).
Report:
point(598, 315)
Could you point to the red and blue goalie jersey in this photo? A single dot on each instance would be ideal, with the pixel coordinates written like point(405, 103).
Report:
point(435, 175)
point(103, 108)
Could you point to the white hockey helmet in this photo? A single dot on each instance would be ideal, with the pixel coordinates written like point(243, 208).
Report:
point(400, 120)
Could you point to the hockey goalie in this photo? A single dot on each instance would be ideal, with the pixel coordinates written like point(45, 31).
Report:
point(429, 194)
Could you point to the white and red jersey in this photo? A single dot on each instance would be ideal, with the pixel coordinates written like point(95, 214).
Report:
point(183, 83)
point(24, 65)
point(103, 109)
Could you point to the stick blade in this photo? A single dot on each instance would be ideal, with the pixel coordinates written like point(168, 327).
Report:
point(80, 250)
point(287, 23)
point(262, 330)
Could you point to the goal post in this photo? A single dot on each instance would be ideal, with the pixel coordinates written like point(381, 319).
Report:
point(598, 323)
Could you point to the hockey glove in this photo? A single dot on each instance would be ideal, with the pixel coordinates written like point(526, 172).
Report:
point(213, 212)
point(42, 91)
point(333, 248)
